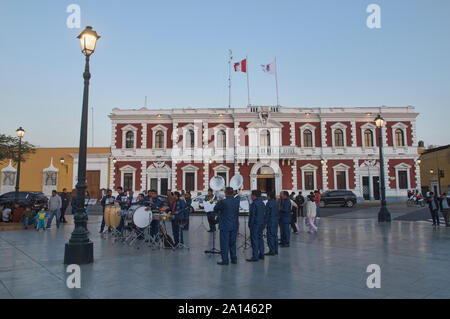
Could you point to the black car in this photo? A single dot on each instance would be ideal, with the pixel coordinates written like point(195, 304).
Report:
point(35, 200)
point(339, 197)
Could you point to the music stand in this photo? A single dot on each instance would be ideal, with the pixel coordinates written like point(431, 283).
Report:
point(213, 250)
point(202, 224)
point(246, 245)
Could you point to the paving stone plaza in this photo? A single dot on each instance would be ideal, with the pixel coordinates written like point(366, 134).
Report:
point(414, 259)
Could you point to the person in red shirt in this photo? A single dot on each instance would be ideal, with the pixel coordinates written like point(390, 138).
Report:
point(317, 198)
point(17, 213)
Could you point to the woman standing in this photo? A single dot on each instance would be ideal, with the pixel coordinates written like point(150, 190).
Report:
point(444, 204)
point(311, 212)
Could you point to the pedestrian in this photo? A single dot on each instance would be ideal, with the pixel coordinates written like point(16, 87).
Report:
point(40, 219)
point(6, 214)
point(28, 217)
point(444, 204)
point(311, 213)
point(188, 200)
point(433, 205)
point(317, 197)
point(300, 200)
point(65, 204)
point(17, 213)
point(285, 219)
point(54, 206)
point(294, 210)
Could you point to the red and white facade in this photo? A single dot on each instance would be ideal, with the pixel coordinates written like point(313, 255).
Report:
point(271, 147)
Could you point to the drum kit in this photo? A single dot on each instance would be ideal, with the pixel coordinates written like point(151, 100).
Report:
point(136, 226)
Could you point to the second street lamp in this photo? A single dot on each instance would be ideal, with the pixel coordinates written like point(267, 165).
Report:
point(20, 134)
point(384, 215)
point(80, 250)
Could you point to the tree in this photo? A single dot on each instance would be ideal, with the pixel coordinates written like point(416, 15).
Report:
point(9, 149)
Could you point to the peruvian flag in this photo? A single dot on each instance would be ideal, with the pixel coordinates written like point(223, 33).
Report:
point(241, 66)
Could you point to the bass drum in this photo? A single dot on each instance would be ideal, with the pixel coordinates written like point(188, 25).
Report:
point(142, 218)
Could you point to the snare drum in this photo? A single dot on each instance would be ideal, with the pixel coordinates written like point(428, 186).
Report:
point(142, 217)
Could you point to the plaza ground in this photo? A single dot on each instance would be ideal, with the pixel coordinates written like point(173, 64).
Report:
point(414, 260)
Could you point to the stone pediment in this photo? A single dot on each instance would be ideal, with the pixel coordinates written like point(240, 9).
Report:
point(269, 124)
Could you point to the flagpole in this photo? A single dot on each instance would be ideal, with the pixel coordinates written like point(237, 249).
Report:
point(248, 81)
point(229, 78)
point(276, 81)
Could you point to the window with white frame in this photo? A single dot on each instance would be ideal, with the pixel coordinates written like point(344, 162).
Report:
point(338, 135)
point(399, 134)
point(159, 137)
point(307, 135)
point(129, 135)
point(190, 173)
point(128, 176)
point(341, 176)
point(264, 138)
point(190, 139)
point(50, 178)
point(402, 176)
point(309, 177)
point(368, 138)
point(8, 178)
point(221, 139)
point(224, 171)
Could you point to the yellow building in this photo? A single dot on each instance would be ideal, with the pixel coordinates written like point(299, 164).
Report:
point(45, 171)
point(435, 169)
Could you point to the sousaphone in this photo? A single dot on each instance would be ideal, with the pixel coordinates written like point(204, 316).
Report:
point(236, 182)
point(217, 183)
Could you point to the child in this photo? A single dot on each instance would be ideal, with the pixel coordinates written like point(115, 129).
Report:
point(40, 217)
point(311, 213)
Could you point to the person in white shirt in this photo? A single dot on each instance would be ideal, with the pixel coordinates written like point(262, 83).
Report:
point(6, 214)
point(311, 212)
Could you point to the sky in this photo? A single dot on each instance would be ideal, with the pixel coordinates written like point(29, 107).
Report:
point(176, 54)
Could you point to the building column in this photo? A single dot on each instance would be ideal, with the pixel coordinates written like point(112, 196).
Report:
point(143, 176)
point(353, 134)
point(323, 129)
point(292, 133)
point(112, 171)
point(144, 135)
point(294, 176)
point(417, 176)
point(324, 176)
point(205, 176)
point(174, 174)
point(356, 176)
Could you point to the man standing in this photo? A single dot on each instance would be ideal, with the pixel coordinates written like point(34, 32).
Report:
point(54, 206)
point(123, 200)
point(65, 204)
point(108, 199)
point(285, 219)
point(256, 225)
point(433, 205)
point(300, 200)
point(228, 210)
point(210, 214)
point(317, 198)
point(178, 209)
point(154, 204)
point(271, 221)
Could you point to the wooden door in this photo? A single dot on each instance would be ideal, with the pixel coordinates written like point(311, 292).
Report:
point(93, 182)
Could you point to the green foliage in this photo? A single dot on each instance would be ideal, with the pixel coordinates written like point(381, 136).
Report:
point(9, 149)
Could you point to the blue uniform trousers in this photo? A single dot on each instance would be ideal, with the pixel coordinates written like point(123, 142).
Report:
point(177, 233)
point(154, 228)
point(272, 238)
point(228, 245)
point(257, 240)
point(285, 233)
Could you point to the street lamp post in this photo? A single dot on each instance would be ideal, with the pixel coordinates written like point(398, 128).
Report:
point(20, 134)
point(384, 215)
point(80, 250)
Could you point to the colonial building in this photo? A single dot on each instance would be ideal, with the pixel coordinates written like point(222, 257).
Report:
point(273, 148)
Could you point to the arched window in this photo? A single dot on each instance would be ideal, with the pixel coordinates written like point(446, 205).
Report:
point(190, 142)
point(221, 139)
point(368, 138)
point(307, 138)
point(159, 139)
point(399, 137)
point(129, 140)
point(338, 138)
point(265, 138)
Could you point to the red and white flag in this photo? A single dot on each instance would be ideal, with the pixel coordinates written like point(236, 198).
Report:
point(241, 66)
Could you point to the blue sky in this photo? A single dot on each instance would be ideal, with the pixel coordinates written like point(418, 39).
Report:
point(175, 52)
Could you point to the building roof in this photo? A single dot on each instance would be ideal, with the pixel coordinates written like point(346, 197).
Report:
point(436, 149)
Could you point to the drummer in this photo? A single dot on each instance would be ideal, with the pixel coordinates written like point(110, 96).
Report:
point(140, 200)
point(123, 201)
point(178, 209)
point(108, 199)
point(153, 203)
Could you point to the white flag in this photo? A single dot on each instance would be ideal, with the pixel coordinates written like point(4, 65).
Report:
point(270, 68)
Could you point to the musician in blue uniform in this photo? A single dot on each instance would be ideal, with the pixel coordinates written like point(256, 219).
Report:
point(140, 200)
point(123, 201)
point(108, 199)
point(285, 218)
point(228, 211)
point(256, 225)
point(271, 222)
point(178, 209)
point(154, 203)
point(188, 200)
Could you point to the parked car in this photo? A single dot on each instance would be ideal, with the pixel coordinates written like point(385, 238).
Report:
point(339, 197)
point(36, 200)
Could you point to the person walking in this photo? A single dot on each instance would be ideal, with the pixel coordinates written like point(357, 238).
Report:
point(311, 212)
point(433, 205)
point(444, 204)
point(65, 200)
point(54, 206)
point(317, 197)
point(300, 200)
